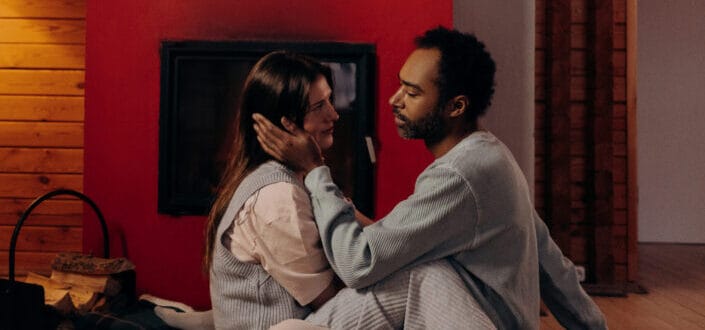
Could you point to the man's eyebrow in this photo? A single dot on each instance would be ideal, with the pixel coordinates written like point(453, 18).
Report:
point(410, 84)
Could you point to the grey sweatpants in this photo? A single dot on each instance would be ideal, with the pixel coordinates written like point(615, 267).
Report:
point(428, 296)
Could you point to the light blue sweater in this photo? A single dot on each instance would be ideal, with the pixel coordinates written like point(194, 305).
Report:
point(472, 204)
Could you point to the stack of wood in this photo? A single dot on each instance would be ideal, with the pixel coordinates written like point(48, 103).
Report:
point(81, 283)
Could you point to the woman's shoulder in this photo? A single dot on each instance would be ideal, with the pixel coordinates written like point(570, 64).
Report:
point(282, 193)
point(269, 173)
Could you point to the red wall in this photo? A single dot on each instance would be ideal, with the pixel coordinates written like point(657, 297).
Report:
point(122, 111)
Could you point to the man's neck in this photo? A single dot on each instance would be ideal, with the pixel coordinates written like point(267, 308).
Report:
point(454, 136)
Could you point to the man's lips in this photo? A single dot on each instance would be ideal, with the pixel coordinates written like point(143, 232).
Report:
point(399, 119)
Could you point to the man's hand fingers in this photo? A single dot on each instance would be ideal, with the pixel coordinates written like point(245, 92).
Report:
point(298, 149)
point(270, 137)
point(269, 150)
point(268, 141)
point(266, 126)
point(291, 127)
point(261, 119)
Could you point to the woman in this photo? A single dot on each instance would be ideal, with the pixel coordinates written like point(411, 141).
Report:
point(263, 251)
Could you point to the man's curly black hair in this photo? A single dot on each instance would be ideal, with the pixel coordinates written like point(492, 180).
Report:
point(465, 68)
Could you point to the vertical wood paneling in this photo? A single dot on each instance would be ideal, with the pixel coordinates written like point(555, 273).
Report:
point(42, 60)
point(632, 189)
point(558, 121)
point(588, 61)
point(601, 207)
point(540, 139)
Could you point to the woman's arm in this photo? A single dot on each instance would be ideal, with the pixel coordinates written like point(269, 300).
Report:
point(288, 244)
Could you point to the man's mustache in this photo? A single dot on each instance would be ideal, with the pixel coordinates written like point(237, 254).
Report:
point(398, 114)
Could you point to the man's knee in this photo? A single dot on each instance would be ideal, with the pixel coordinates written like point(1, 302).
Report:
point(436, 268)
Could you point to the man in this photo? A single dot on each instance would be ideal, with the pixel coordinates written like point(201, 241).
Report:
point(472, 205)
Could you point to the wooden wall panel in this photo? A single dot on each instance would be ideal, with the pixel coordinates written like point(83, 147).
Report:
point(53, 212)
point(49, 31)
point(42, 61)
point(41, 108)
point(41, 134)
point(37, 220)
point(41, 82)
point(603, 202)
point(35, 262)
point(540, 186)
point(43, 8)
point(558, 122)
point(54, 206)
point(620, 37)
point(44, 239)
point(597, 232)
point(630, 115)
point(35, 184)
point(42, 56)
point(37, 160)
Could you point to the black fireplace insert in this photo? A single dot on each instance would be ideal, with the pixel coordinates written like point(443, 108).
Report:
point(200, 85)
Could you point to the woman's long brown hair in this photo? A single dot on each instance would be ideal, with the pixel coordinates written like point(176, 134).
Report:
point(277, 86)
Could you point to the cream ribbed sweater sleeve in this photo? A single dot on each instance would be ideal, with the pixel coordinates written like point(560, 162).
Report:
point(560, 288)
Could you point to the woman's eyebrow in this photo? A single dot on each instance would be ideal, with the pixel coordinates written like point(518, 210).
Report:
point(325, 97)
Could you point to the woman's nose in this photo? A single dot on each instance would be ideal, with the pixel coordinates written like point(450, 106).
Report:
point(332, 114)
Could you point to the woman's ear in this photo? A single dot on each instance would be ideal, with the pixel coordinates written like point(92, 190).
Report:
point(457, 106)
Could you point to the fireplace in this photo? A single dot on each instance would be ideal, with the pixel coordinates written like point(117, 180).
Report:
point(200, 86)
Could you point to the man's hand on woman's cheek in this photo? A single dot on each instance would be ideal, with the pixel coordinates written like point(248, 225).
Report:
point(294, 147)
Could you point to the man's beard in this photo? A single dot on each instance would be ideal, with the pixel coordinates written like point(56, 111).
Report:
point(429, 128)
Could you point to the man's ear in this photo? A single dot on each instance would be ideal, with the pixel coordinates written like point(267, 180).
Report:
point(457, 106)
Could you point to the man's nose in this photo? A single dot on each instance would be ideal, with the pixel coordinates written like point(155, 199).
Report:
point(394, 100)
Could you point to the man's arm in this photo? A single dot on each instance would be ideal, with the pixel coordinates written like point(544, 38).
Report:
point(436, 221)
point(560, 288)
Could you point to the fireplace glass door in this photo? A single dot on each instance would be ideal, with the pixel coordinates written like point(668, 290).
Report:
point(200, 86)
